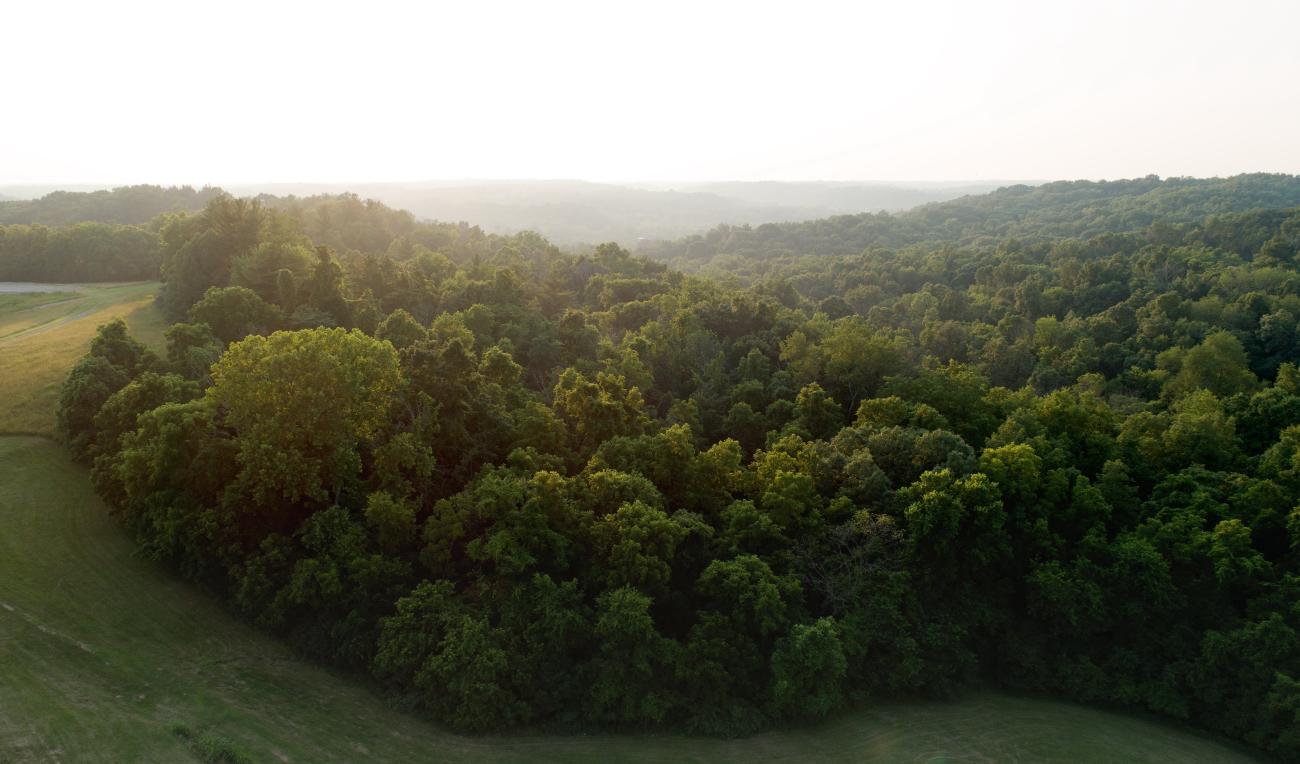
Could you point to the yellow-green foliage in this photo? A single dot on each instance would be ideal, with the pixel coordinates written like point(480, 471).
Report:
point(275, 389)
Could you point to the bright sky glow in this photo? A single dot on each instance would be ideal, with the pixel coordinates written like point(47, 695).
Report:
point(229, 92)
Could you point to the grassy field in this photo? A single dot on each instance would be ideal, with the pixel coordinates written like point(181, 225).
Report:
point(19, 310)
point(43, 334)
point(103, 655)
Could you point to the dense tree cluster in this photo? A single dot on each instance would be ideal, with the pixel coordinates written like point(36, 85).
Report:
point(127, 205)
point(132, 233)
point(1064, 209)
point(519, 486)
point(81, 252)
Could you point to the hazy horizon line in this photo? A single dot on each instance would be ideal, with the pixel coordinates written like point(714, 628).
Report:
point(75, 186)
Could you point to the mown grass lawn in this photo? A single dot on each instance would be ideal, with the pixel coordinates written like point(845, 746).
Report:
point(43, 334)
point(20, 311)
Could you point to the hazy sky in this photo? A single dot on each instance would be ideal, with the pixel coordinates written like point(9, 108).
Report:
point(227, 92)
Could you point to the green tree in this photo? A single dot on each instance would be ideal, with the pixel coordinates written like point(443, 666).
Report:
point(817, 413)
point(267, 266)
point(300, 403)
point(192, 349)
point(1219, 364)
point(808, 670)
point(637, 543)
point(468, 681)
point(234, 313)
point(89, 385)
point(112, 343)
point(633, 663)
point(851, 361)
point(392, 521)
point(325, 290)
point(595, 410)
point(401, 329)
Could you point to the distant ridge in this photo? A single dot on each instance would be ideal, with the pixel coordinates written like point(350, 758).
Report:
point(568, 212)
point(1058, 209)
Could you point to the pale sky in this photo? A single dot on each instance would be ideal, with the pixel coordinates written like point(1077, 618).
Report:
point(229, 92)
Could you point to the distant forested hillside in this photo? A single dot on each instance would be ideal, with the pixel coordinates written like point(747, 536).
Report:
point(131, 205)
point(89, 251)
point(1052, 210)
point(837, 198)
point(579, 213)
point(1057, 451)
point(568, 212)
point(571, 213)
point(96, 244)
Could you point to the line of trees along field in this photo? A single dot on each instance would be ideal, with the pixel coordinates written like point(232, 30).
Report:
point(128, 205)
point(78, 253)
point(518, 486)
point(128, 233)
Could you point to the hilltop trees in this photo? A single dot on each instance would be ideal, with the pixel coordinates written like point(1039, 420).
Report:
point(524, 487)
point(274, 393)
point(128, 205)
point(1219, 365)
point(201, 250)
point(232, 313)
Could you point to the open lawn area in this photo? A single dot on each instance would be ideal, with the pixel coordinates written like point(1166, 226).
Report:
point(42, 334)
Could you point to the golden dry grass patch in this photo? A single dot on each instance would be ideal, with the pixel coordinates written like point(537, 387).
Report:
point(40, 340)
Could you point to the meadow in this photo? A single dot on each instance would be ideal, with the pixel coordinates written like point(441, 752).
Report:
point(43, 333)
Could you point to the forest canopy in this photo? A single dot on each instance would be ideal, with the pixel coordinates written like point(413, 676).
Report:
point(879, 457)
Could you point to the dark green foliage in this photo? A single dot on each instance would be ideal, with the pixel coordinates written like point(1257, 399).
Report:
point(631, 680)
point(113, 344)
point(538, 488)
point(211, 748)
point(114, 359)
point(90, 384)
point(192, 349)
point(232, 313)
point(119, 416)
point(808, 669)
point(81, 252)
